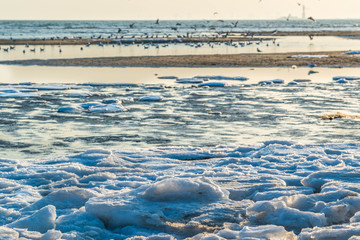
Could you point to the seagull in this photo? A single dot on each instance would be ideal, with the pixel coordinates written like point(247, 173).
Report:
point(119, 30)
point(258, 50)
point(312, 19)
point(132, 25)
point(215, 13)
point(274, 32)
point(311, 36)
point(60, 50)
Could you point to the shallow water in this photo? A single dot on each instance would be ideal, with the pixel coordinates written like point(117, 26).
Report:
point(286, 44)
point(242, 112)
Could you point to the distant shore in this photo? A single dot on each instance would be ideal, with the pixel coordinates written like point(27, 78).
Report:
point(222, 37)
point(332, 59)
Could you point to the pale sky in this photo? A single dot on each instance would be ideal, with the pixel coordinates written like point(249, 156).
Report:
point(175, 9)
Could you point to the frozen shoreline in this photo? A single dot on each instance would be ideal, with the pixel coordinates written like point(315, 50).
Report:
point(275, 190)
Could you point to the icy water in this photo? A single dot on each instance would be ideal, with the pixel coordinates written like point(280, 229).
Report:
point(136, 153)
point(35, 124)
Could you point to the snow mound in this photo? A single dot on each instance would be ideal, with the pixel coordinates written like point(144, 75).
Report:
point(184, 190)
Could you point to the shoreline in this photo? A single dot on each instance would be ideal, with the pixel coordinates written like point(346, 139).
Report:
point(334, 59)
point(220, 37)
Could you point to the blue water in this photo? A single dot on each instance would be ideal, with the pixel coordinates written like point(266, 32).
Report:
point(48, 29)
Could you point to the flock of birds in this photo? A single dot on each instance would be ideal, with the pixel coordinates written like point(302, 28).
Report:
point(168, 37)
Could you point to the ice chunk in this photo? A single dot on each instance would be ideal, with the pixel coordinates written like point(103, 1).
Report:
point(341, 81)
point(52, 235)
point(153, 98)
point(70, 109)
point(189, 80)
point(276, 212)
point(264, 232)
point(185, 190)
point(40, 221)
point(8, 233)
point(91, 104)
point(111, 108)
point(265, 82)
point(64, 198)
point(212, 84)
point(110, 84)
point(346, 78)
point(111, 100)
point(222, 78)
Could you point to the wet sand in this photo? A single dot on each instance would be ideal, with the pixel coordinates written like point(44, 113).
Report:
point(334, 59)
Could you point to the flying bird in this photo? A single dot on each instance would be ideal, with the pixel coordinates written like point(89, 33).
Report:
point(215, 13)
point(132, 25)
point(312, 19)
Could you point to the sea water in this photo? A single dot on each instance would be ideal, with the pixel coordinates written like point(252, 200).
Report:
point(86, 29)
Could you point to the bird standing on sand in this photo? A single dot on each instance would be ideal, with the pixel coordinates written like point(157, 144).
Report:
point(311, 36)
point(258, 50)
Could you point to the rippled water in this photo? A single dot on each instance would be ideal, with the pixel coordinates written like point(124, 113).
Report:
point(188, 115)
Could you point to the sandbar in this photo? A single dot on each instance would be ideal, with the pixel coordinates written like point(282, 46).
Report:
point(333, 59)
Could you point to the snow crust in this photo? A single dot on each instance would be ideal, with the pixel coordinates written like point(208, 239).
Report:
point(274, 190)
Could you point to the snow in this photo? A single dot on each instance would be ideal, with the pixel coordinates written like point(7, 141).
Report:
point(276, 190)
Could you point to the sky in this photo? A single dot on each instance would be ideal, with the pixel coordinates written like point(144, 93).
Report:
point(176, 9)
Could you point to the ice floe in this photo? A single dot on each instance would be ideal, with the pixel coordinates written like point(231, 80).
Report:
point(212, 84)
point(346, 78)
point(151, 98)
point(189, 80)
point(218, 77)
point(274, 81)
